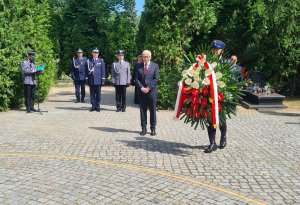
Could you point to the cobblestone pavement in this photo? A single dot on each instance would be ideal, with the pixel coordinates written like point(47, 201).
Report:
point(72, 156)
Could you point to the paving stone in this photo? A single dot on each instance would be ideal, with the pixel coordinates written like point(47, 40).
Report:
point(261, 160)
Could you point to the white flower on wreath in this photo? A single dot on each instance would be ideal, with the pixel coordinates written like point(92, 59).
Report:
point(206, 81)
point(197, 76)
point(195, 84)
point(219, 75)
point(208, 72)
point(191, 72)
point(213, 65)
point(188, 81)
point(221, 84)
point(184, 72)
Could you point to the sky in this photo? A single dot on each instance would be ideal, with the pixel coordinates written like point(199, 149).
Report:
point(139, 6)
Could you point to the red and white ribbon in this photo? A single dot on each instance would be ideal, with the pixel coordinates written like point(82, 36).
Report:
point(178, 104)
point(213, 90)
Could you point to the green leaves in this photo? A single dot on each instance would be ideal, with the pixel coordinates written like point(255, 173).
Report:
point(167, 27)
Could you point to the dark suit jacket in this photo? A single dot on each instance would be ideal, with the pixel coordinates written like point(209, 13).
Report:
point(149, 80)
point(78, 72)
point(98, 76)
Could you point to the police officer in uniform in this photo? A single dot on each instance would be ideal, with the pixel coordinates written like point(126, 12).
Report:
point(217, 48)
point(79, 74)
point(96, 78)
point(28, 68)
point(121, 80)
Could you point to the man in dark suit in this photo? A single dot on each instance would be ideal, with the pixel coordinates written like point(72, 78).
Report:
point(146, 79)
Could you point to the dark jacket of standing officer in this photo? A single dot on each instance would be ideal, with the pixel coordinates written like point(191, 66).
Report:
point(96, 71)
point(79, 68)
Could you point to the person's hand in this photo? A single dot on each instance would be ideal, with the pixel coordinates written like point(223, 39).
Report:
point(145, 90)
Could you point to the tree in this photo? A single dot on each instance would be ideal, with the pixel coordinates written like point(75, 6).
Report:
point(264, 34)
point(167, 27)
point(123, 29)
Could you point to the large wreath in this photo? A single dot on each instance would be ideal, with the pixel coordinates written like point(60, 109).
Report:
point(208, 92)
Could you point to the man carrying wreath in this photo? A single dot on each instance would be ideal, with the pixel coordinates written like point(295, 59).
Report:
point(217, 48)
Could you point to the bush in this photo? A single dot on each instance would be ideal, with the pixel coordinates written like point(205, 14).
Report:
point(167, 87)
point(25, 30)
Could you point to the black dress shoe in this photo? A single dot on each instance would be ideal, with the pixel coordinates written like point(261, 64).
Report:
point(153, 133)
point(223, 142)
point(118, 110)
point(123, 110)
point(28, 111)
point(33, 110)
point(211, 148)
point(144, 131)
point(77, 101)
point(92, 109)
point(97, 109)
point(83, 101)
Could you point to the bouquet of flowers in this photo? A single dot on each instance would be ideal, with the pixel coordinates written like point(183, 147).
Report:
point(208, 93)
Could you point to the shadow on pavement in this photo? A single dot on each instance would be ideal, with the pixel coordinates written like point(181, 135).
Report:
point(110, 129)
point(280, 113)
point(292, 123)
point(106, 109)
point(64, 93)
point(61, 101)
point(73, 108)
point(156, 145)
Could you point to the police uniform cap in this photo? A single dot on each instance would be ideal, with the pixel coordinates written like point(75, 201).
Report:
point(217, 44)
point(96, 50)
point(121, 52)
point(31, 53)
point(79, 50)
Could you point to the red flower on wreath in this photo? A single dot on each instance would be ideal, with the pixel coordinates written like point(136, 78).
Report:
point(185, 98)
point(195, 100)
point(204, 113)
point(204, 102)
point(220, 97)
point(220, 107)
point(197, 115)
point(195, 92)
point(205, 91)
